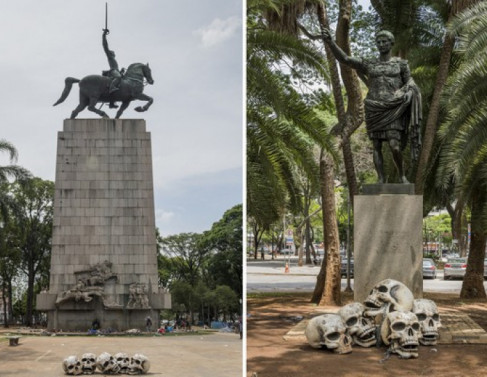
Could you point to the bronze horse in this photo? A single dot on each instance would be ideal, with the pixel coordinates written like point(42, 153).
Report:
point(95, 88)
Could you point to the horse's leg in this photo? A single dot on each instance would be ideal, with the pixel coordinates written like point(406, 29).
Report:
point(122, 108)
point(83, 102)
point(143, 97)
point(92, 107)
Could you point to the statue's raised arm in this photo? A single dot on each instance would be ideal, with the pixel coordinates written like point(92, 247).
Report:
point(339, 54)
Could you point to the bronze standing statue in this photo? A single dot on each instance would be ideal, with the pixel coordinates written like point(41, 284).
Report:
point(113, 86)
point(393, 102)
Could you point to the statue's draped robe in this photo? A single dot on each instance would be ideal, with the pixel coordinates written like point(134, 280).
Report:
point(388, 111)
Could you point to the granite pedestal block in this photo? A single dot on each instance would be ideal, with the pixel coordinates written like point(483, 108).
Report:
point(104, 224)
point(387, 242)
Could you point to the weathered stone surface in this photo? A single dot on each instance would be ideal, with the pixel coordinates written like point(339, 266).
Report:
point(388, 188)
point(388, 242)
point(103, 209)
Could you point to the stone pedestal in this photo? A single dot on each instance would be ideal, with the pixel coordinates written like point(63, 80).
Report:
point(104, 257)
point(387, 239)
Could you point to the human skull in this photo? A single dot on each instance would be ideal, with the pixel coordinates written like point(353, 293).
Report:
point(429, 320)
point(123, 361)
point(360, 328)
point(387, 296)
point(139, 364)
point(72, 366)
point(401, 332)
point(107, 364)
point(88, 363)
point(328, 331)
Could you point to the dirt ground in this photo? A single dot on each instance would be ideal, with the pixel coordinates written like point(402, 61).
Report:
point(269, 355)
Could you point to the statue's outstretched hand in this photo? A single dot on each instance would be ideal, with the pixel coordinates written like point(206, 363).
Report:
point(106, 31)
point(325, 33)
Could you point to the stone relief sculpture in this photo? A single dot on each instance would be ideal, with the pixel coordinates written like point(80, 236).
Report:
point(393, 104)
point(90, 283)
point(138, 297)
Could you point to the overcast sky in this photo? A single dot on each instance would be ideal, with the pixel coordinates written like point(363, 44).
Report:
point(194, 48)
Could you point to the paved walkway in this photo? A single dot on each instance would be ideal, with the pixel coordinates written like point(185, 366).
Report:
point(215, 355)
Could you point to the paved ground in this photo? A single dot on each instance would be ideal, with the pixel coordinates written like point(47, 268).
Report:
point(269, 276)
point(214, 355)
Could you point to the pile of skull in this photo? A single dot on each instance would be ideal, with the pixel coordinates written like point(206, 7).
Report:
point(120, 363)
point(390, 315)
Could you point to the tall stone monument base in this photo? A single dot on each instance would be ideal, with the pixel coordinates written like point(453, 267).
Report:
point(104, 255)
point(388, 238)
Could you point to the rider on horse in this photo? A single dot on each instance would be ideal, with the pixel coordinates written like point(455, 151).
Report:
point(114, 73)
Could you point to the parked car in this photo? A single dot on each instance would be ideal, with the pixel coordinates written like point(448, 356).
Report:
point(286, 252)
point(429, 268)
point(343, 269)
point(455, 267)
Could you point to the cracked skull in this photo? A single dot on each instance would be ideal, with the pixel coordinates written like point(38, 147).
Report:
point(401, 332)
point(328, 331)
point(429, 320)
point(387, 296)
point(88, 363)
point(107, 364)
point(139, 364)
point(72, 366)
point(360, 328)
point(123, 361)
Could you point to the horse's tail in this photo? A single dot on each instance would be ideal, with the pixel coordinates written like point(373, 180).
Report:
point(67, 88)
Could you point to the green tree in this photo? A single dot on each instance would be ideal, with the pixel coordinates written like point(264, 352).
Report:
point(227, 301)
point(32, 230)
point(10, 259)
point(9, 254)
point(187, 254)
point(224, 240)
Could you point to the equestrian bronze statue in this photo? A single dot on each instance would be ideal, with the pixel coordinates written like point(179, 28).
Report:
point(113, 86)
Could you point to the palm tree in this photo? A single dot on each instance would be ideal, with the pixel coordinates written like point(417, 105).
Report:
point(453, 8)
point(464, 137)
point(281, 128)
point(11, 171)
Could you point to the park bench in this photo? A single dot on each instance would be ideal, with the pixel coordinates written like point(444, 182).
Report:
point(13, 340)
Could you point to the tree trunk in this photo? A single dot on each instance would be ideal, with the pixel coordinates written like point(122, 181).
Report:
point(473, 282)
point(433, 114)
point(4, 301)
point(332, 280)
point(352, 118)
point(307, 235)
point(458, 228)
point(320, 283)
point(30, 297)
point(298, 242)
